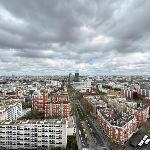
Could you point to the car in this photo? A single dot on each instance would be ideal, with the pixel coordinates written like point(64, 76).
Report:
point(145, 137)
point(141, 143)
point(91, 129)
point(147, 141)
point(79, 132)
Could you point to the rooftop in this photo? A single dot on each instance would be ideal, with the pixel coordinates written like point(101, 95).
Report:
point(6, 104)
point(46, 121)
point(70, 122)
point(116, 118)
point(142, 107)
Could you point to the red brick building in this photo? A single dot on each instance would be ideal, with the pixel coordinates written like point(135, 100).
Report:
point(58, 105)
point(147, 101)
point(119, 127)
point(52, 106)
point(142, 113)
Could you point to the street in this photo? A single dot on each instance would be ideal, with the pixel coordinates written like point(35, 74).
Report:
point(87, 130)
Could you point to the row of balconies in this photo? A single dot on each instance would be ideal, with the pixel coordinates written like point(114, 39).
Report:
point(31, 129)
point(27, 145)
point(17, 132)
point(2, 132)
point(27, 128)
point(16, 141)
point(27, 137)
point(2, 127)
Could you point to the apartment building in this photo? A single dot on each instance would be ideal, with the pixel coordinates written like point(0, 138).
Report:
point(122, 118)
point(135, 93)
point(10, 110)
point(144, 92)
point(83, 86)
point(33, 134)
point(130, 93)
point(147, 101)
point(142, 114)
point(119, 127)
point(95, 102)
point(56, 105)
point(38, 101)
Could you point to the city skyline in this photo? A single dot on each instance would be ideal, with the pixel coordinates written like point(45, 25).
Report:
point(58, 37)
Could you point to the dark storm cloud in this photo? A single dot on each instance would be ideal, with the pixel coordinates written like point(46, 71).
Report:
point(54, 21)
point(135, 23)
point(77, 34)
point(48, 22)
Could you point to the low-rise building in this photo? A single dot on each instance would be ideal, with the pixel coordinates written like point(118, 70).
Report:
point(95, 102)
point(83, 86)
point(71, 127)
point(147, 101)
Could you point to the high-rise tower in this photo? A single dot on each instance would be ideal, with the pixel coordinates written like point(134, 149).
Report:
point(76, 78)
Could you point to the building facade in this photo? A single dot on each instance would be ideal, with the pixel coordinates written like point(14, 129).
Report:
point(142, 114)
point(10, 110)
point(130, 93)
point(135, 93)
point(58, 105)
point(52, 106)
point(118, 127)
point(33, 134)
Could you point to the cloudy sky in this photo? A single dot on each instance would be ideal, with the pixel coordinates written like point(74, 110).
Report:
point(61, 36)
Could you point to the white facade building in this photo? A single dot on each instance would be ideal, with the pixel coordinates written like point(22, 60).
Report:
point(83, 86)
point(71, 129)
point(11, 110)
point(33, 134)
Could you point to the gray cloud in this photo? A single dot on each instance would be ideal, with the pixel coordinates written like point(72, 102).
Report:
point(62, 36)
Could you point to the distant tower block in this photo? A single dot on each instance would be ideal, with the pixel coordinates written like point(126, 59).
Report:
point(76, 78)
point(69, 79)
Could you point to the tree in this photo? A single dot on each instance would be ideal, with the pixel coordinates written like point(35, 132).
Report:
point(26, 105)
point(34, 115)
point(87, 105)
